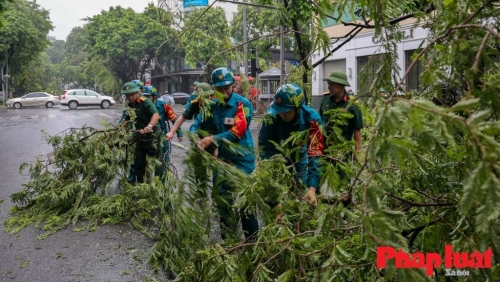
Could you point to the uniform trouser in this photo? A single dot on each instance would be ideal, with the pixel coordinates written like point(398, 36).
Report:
point(224, 205)
point(200, 172)
point(149, 146)
point(166, 160)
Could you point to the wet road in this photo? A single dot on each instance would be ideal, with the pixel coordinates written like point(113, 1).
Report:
point(112, 253)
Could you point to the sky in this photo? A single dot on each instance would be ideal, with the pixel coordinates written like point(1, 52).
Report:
point(67, 14)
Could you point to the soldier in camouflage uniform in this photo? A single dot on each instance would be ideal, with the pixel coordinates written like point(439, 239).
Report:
point(338, 98)
point(147, 123)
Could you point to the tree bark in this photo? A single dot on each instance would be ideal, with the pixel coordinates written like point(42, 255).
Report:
point(302, 53)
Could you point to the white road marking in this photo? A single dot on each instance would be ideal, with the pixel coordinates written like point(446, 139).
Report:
point(34, 117)
point(52, 116)
point(118, 114)
point(15, 117)
point(87, 115)
point(104, 115)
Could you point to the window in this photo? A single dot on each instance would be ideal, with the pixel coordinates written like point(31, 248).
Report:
point(91, 93)
point(413, 81)
point(274, 85)
point(79, 93)
point(369, 67)
point(172, 65)
point(30, 96)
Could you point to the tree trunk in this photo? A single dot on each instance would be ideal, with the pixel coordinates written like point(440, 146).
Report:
point(302, 53)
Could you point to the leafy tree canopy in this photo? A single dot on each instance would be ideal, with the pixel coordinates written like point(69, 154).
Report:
point(126, 39)
point(24, 37)
point(3, 8)
point(56, 51)
point(205, 36)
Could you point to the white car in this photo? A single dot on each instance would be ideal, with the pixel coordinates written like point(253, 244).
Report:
point(33, 99)
point(74, 98)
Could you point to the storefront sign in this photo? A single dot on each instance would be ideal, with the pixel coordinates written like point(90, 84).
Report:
point(403, 33)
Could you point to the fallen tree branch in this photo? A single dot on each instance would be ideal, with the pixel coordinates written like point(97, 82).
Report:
point(422, 204)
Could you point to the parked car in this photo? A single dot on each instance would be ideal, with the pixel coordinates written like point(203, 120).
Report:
point(180, 97)
point(34, 99)
point(74, 98)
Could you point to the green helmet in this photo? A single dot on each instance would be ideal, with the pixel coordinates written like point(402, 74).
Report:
point(203, 87)
point(149, 90)
point(129, 88)
point(139, 84)
point(338, 77)
point(288, 97)
point(222, 77)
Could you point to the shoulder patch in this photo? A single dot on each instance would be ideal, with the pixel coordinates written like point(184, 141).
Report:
point(351, 97)
point(246, 110)
point(142, 98)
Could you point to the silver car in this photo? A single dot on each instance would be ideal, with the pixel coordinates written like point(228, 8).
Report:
point(34, 99)
point(74, 98)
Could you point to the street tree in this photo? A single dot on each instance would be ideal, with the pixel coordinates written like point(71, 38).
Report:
point(56, 50)
point(205, 33)
point(23, 38)
point(76, 46)
point(127, 41)
point(42, 76)
point(3, 8)
point(264, 24)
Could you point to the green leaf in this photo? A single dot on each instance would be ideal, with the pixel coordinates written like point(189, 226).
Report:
point(465, 105)
point(478, 117)
point(372, 198)
point(475, 180)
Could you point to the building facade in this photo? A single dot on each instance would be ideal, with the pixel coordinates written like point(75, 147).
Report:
point(354, 55)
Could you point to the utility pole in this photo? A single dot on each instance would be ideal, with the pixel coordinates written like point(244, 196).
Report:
point(3, 89)
point(282, 55)
point(245, 52)
point(6, 80)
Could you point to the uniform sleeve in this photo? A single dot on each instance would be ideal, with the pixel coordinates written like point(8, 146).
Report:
point(357, 120)
point(313, 172)
point(242, 119)
point(315, 148)
point(197, 125)
point(149, 107)
point(265, 135)
point(321, 107)
point(170, 113)
point(162, 121)
point(190, 109)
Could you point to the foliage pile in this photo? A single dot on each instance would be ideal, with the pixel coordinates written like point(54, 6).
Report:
point(428, 175)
